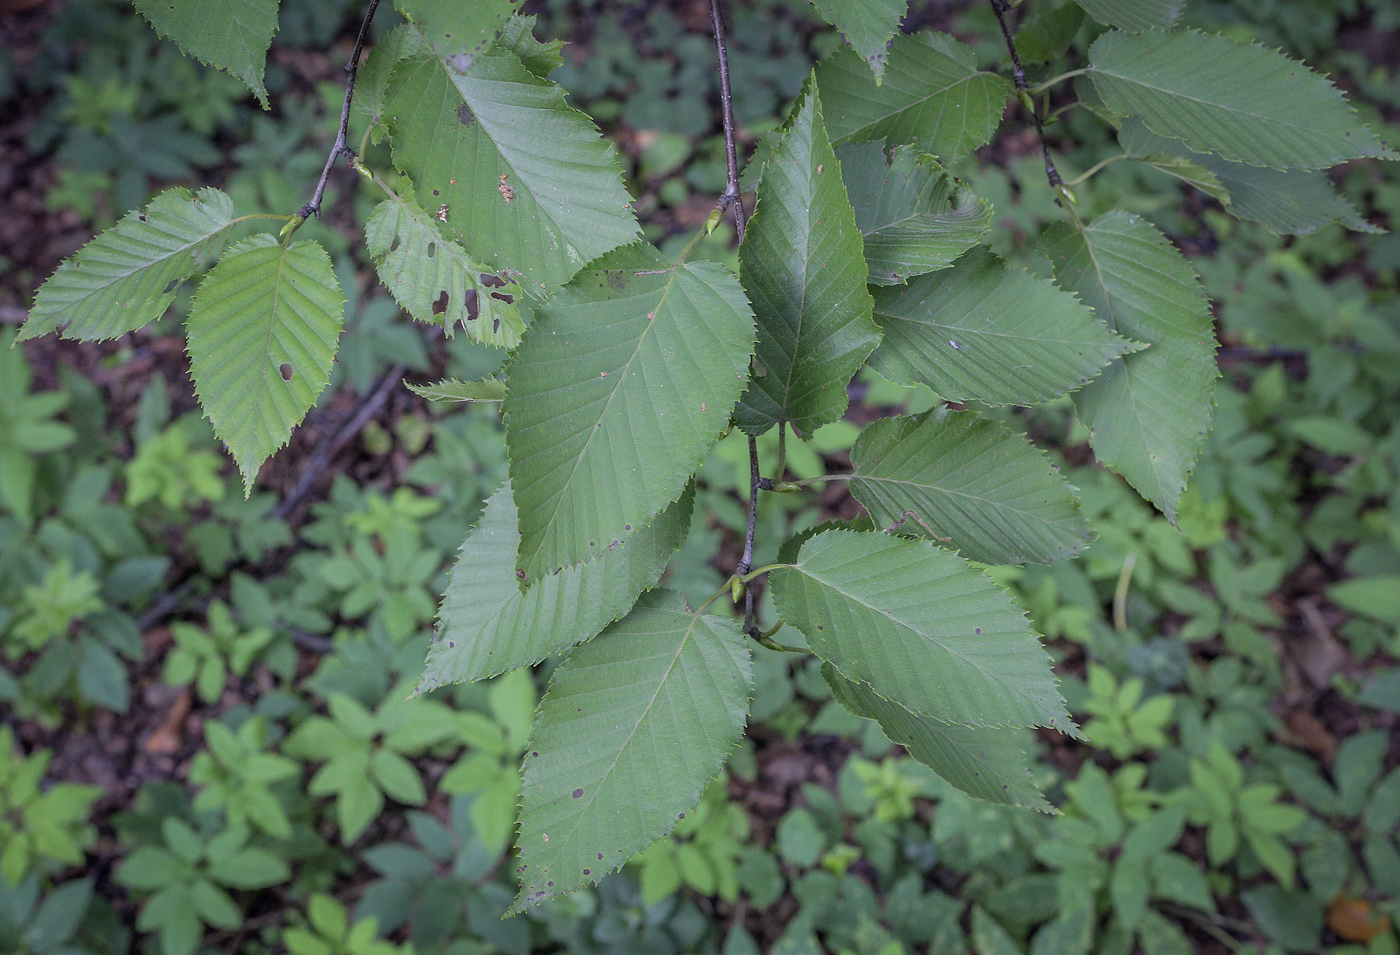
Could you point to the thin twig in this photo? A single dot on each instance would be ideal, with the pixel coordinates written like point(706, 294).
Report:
point(734, 200)
point(313, 208)
point(1018, 74)
point(731, 197)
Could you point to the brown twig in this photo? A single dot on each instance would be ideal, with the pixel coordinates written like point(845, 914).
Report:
point(734, 200)
point(731, 198)
point(313, 208)
point(1018, 74)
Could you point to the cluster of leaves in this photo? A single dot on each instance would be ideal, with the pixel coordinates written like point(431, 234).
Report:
point(1104, 876)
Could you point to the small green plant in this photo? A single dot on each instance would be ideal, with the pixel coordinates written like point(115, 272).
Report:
point(1232, 812)
point(702, 853)
point(27, 430)
point(890, 791)
point(40, 829)
point(1120, 721)
point(48, 609)
point(236, 774)
point(205, 656)
point(491, 769)
point(166, 469)
point(328, 931)
point(188, 879)
point(29, 926)
point(365, 755)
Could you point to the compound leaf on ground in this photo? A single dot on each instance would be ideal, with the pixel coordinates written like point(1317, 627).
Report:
point(127, 276)
point(964, 479)
point(1136, 15)
point(488, 625)
point(1286, 201)
point(912, 215)
point(262, 335)
point(920, 625)
point(521, 179)
point(230, 35)
point(1243, 102)
point(633, 727)
point(867, 25)
point(933, 96)
point(983, 331)
point(453, 389)
point(435, 280)
point(989, 763)
point(1147, 413)
point(620, 385)
point(802, 268)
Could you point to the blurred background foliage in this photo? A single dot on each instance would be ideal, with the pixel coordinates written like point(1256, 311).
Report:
point(205, 744)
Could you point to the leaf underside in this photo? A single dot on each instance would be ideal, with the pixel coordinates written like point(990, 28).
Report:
point(620, 386)
point(634, 725)
point(988, 763)
point(911, 215)
point(435, 280)
point(489, 625)
point(453, 389)
point(457, 30)
point(1286, 201)
point(525, 182)
point(230, 35)
point(966, 480)
point(1243, 102)
point(983, 331)
point(920, 625)
point(262, 335)
point(1147, 413)
point(127, 276)
point(867, 25)
point(933, 96)
point(802, 268)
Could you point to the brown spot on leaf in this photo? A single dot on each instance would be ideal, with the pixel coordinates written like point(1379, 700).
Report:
point(286, 371)
point(465, 115)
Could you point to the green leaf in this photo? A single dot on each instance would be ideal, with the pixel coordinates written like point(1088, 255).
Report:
point(801, 265)
point(229, 35)
point(911, 214)
point(127, 276)
point(452, 389)
point(983, 331)
point(961, 478)
point(528, 182)
point(867, 25)
point(633, 727)
point(540, 58)
point(435, 280)
point(619, 387)
point(488, 625)
point(985, 762)
point(457, 31)
point(921, 627)
point(1242, 101)
point(933, 96)
point(1149, 412)
point(262, 335)
point(1287, 202)
point(1136, 15)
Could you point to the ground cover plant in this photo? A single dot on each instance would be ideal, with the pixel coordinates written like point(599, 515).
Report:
point(1004, 305)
